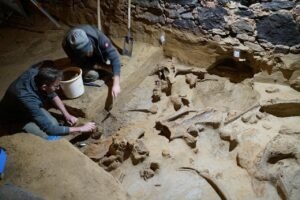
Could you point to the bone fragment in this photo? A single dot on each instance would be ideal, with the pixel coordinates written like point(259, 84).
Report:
point(242, 113)
point(220, 190)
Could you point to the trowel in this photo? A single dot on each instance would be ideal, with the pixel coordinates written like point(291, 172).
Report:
point(109, 109)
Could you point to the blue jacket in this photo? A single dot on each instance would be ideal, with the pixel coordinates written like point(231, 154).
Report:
point(103, 50)
point(23, 102)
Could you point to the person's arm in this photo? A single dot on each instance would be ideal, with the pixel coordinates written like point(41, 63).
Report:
point(40, 118)
point(47, 126)
point(87, 127)
point(70, 119)
point(116, 86)
point(112, 55)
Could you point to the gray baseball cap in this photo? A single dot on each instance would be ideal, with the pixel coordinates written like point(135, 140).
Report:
point(79, 41)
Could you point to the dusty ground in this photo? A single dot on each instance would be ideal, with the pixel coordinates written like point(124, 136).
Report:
point(223, 145)
point(183, 133)
point(56, 170)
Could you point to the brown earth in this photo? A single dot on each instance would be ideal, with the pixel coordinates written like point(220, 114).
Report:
point(181, 132)
point(56, 170)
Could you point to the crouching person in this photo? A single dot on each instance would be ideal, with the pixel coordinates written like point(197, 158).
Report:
point(23, 106)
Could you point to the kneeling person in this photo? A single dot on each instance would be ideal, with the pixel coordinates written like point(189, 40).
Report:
point(89, 48)
point(26, 98)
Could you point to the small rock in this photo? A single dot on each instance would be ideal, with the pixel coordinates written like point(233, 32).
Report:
point(147, 173)
point(267, 45)
point(245, 37)
point(253, 120)
point(209, 4)
point(191, 79)
point(260, 115)
point(185, 101)
point(231, 41)
point(243, 26)
point(210, 18)
point(295, 84)
point(110, 163)
point(272, 90)
point(278, 5)
point(217, 38)
point(295, 49)
point(193, 131)
point(267, 126)
point(190, 140)
point(245, 13)
point(166, 154)
point(231, 5)
point(139, 152)
point(253, 46)
point(200, 127)
point(217, 31)
point(171, 13)
point(156, 94)
point(281, 49)
point(150, 170)
point(151, 18)
point(176, 101)
point(246, 117)
point(96, 135)
point(196, 151)
point(295, 80)
point(169, 21)
point(114, 165)
point(231, 114)
point(187, 16)
point(181, 10)
point(154, 166)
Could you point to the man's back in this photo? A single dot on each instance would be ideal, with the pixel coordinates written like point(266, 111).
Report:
point(22, 91)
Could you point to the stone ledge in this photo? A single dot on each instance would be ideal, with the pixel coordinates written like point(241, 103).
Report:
point(56, 170)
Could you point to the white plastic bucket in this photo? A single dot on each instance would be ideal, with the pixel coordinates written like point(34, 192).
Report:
point(73, 86)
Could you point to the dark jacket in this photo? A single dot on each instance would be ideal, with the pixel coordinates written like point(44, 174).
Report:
point(103, 50)
point(23, 102)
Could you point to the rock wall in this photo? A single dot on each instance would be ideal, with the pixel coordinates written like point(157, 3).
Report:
point(276, 22)
point(201, 33)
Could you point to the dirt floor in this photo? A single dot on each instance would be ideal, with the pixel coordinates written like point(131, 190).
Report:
point(191, 135)
point(183, 132)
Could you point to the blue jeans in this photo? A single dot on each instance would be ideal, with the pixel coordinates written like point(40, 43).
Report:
point(33, 128)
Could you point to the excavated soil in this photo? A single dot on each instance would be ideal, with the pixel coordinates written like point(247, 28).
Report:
point(190, 134)
point(186, 132)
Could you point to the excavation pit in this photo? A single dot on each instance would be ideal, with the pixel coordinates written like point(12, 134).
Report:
point(191, 122)
point(207, 127)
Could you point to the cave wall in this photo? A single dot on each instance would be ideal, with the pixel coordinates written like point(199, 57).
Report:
point(198, 32)
point(268, 24)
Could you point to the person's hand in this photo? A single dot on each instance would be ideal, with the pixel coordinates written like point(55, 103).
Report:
point(115, 90)
point(71, 120)
point(88, 127)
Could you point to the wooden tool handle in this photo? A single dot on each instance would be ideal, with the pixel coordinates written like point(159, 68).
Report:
point(129, 14)
point(99, 14)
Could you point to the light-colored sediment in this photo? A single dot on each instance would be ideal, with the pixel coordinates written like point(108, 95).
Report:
point(56, 170)
point(179, 132)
